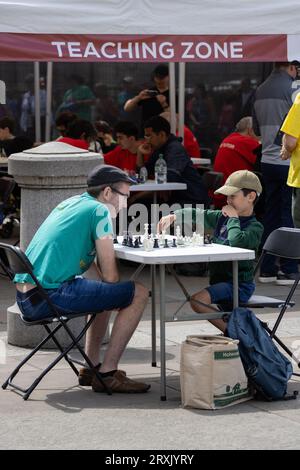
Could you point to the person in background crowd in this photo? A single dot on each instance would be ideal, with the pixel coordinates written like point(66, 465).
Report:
point(273, 100)
point(105, 136)
point(291, 150)
point(202, 115)
point(27, 124)
point(63, 121)
point(9, 143)
point(238, 151)
point(80, 133)
point(180, 169)
point(154, 100)
point(105, 107)
point(227, 116)
point(189, 140)
point(78, 98)
point(244, 99)
point(124, 156)
point(124, 95)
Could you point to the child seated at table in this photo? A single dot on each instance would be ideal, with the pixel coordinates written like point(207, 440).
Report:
point(235, 225)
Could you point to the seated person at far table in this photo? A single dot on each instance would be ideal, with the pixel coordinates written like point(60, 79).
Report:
point(63, 121)
point(238, 151)
point(124, 156)
point(9, 143)
point(235, 225)
point(190, 142)
point(180, 169)
point(63, 252)
point(105, 136)
point(82, 134)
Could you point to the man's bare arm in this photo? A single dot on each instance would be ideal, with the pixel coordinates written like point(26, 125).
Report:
point(131, 104)
point(289, 144)
point(106, 259)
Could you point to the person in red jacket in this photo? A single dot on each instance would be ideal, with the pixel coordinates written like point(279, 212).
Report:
point(238, 151)
point(124, 156)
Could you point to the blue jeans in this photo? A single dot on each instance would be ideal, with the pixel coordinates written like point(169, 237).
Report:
point(222, 293)
point(278, 213)
point(77, 296)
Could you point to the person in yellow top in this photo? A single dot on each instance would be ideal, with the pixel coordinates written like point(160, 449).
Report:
point(291, 149)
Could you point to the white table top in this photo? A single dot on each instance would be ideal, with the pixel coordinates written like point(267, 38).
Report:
point(150, 185)
point(201, 161)
point(187, 254)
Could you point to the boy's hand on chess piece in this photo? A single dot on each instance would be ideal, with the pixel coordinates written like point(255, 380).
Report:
point(165, 222)
point(229, 211)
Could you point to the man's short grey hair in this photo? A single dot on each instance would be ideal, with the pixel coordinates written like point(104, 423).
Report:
point(244, 124)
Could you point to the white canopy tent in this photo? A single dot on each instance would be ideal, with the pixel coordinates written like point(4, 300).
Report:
point(148, 31)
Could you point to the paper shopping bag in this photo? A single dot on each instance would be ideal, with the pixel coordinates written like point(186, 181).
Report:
point(211, 373)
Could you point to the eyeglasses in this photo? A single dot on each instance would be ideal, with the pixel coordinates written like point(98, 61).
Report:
point(119, 192)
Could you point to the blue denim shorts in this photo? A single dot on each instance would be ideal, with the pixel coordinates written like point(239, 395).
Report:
point(222, 293)
point(77, 296)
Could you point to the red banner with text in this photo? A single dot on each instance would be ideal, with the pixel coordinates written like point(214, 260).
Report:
point(136, 48)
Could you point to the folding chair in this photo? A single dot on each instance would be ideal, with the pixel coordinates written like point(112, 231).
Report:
point(13, 261)
point(283, 242)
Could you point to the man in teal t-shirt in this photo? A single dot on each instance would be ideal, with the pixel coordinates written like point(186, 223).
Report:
point(65, 246)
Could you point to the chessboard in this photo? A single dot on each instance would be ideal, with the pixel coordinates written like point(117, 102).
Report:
point(150, 241)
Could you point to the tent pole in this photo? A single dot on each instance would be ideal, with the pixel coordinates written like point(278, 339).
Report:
point(172, 91)
point(37, 104)
point(49, 101)
point(181, 99)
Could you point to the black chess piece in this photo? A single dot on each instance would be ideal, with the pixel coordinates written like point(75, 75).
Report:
point(140, 240)
point(115, 240)
point(207, 240)
point(174, 243)
point(136, 243)
point(166, 243)
point(130, 242)
point(156, 245)
point(124, 242)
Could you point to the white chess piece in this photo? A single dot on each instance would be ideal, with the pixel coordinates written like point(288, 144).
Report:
point(148, 244)
point(146, 228)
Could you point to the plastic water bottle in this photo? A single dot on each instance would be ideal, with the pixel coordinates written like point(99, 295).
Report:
point(143, 175)
point(160, 170)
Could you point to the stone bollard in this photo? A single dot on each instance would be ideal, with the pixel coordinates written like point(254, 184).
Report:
point(47, 175)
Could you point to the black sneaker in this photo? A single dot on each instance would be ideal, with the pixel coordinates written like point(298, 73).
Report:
point(265, 278)
point(286, 279)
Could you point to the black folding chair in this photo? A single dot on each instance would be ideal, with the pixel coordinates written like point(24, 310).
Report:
point(13, 261)
point(283, 242)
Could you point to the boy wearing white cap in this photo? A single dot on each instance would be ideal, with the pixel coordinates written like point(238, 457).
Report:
point(234, 225)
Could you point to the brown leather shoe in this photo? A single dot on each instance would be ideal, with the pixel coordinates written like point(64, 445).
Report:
point(120, 383)
point(86, 375)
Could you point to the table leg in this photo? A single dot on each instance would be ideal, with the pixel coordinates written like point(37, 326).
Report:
point(153, 314)
point(235, 278)
point(162, 278)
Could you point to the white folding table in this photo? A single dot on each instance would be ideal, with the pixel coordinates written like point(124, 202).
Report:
point(170, 256)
